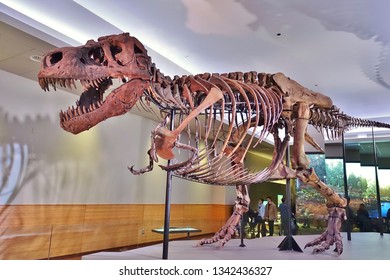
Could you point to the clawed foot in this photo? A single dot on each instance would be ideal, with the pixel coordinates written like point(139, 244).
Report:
point(332, 234)
point(225, 233)
point(324, 242)
point(223, 236)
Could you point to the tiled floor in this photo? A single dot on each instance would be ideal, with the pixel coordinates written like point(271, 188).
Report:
point(363, 246)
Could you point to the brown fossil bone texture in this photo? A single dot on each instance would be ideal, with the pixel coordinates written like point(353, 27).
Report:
point(222, 116)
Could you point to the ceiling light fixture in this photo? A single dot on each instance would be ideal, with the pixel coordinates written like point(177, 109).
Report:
point(36, 58)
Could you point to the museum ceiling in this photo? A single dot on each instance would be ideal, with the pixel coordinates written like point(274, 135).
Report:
point(337, 47)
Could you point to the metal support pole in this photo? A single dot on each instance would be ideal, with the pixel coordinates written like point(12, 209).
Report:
point(288, 242)
point(242, 231)
point(168, 191)
point(288, 198)
point(346, 194)
point(378, 194)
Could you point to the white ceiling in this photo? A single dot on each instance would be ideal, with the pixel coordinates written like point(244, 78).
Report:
point(337, 47)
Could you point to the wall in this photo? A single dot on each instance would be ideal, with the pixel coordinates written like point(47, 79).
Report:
point(259, 160)
point(50, 231)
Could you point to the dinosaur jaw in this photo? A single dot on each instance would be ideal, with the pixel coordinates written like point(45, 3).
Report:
point(92, 108)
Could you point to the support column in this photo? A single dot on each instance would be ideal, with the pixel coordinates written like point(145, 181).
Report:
point(346, 193)
point(167, 215)
point(378, 194)
point(288, 242)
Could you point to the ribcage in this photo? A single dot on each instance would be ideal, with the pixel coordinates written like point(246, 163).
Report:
point(224, 131)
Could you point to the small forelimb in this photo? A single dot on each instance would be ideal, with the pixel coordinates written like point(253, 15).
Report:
point(145, 169)
point(151, 152)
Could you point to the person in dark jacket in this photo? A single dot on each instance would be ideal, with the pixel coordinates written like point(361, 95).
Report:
point(351, 216)
point(363, 219)
point(283, 209)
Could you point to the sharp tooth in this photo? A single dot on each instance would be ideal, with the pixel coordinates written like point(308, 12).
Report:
point(90, 107)
point(96, 84)
point(53, 83)
point(86, 85)
point(67, 82)
point(73, 111)
point(79, 110)
point(69, 112)
point(43, 84)
point(84, 110)
point(73, 83)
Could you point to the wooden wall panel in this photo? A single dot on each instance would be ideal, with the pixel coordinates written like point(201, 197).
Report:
point(47, 231)
point(100, 237)
point(24, 243)
point(66, 240)
point(40, 215)
point(113, 213)
point(153, 217)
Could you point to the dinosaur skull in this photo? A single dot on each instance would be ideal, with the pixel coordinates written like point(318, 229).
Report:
point(95, 65)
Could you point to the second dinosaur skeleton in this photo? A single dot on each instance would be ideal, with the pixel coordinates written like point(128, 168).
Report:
point(221, 116)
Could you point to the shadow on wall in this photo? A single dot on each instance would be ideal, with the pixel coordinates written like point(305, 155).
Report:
point(35, 154)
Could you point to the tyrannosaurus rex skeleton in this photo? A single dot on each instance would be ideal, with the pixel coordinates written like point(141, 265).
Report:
point(221, 116)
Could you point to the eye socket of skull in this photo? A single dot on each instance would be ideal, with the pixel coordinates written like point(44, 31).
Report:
point(116, 54)
point(115, 50)
point(53, 59)
point(97, 55)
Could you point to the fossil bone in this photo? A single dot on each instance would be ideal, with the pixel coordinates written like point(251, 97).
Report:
point(239, 110)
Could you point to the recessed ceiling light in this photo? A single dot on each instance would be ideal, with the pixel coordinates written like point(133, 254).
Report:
point(36, 58)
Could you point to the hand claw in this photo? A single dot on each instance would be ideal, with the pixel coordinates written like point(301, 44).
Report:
point(140, 171)
point(134, 172)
